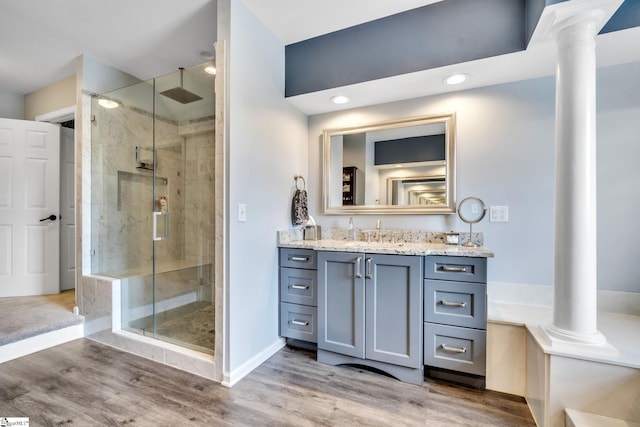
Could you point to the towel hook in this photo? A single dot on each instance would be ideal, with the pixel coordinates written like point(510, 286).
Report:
point(297, 179)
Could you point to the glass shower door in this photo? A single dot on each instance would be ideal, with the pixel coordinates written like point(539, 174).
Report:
point(183, 237)
point(153, 204)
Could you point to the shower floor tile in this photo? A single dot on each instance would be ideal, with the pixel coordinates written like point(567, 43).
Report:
point(191, 325)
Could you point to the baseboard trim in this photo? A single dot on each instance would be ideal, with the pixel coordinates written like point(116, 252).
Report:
point(233, 377)
point(40, 342)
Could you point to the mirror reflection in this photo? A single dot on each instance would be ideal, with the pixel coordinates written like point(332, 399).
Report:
point(401, 166)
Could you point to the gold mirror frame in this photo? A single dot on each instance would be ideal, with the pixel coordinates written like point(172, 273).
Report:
point(449, 207)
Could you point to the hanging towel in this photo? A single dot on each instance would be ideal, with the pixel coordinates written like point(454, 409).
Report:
point(299, 208)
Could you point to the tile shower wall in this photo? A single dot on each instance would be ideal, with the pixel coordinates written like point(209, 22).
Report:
point(199, 200)
point(122, 194)
point(122, 202)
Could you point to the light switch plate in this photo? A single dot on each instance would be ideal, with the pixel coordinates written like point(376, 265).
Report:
point(242, 212)
point(499, 213)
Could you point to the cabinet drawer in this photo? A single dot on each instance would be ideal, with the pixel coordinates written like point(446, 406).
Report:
point(464, 269)
point(298, 258)
point(298, 321)
point(455, 348)
point(298, 286)
point(455, 303)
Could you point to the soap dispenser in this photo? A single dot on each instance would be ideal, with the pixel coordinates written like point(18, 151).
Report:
point(351, 231)
point(311, 230)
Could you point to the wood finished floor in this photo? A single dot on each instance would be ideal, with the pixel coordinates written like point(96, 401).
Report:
point(84, 383)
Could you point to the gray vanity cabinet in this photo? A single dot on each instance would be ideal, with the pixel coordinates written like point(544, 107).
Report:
point(298, 294)
point(455, 313)
point(370, 306)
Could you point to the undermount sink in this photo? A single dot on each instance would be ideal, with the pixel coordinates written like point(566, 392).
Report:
point(362, 244)
point(355, 244)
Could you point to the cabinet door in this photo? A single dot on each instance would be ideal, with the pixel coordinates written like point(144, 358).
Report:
point(394, 309)
point(341, 303)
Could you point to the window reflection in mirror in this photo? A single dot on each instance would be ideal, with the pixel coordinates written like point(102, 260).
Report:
point(402, 166)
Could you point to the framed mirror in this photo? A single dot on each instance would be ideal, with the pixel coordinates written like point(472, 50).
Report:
point(404, 166)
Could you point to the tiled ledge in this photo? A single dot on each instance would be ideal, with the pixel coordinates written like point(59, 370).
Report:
point(621, 331)
point(585, 419)
point(530, 306)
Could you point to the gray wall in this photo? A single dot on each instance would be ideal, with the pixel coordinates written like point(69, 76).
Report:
point(11, 105)
point(505, 153)
point(267, 147)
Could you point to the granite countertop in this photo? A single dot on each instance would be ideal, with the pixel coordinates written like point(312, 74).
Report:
point(403, 248)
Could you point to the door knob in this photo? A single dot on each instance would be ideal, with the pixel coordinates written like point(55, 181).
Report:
point(50, 218)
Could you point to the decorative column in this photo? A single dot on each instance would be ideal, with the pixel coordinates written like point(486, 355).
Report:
point(575, 263)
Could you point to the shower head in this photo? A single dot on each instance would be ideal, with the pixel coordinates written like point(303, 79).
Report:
point(180, 94)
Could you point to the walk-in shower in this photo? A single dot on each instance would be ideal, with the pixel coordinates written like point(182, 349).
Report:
point(152, 186)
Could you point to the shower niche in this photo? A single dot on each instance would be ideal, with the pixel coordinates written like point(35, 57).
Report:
point(152, 204)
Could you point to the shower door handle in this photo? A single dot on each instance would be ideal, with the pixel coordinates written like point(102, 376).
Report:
point(155, 226)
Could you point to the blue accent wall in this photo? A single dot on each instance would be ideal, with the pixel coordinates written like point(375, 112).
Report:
point(423, 148)
point(432, 36)
point(533, 12)
point(627, 16)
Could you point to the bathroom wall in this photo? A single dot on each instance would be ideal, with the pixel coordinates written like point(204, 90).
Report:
point(505, 156)
point(11, 105)
point(266, 147)
point(53, 97)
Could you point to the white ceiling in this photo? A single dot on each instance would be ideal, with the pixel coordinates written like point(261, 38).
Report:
point(307, 18)
point(296, 20)
point(40, 39)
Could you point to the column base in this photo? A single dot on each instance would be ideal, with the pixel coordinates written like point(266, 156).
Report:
point(563, 340)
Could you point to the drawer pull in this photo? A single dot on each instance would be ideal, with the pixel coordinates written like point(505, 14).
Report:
point(300, 322)
point(299, 258)
point(449, 269)
point(303, 287)
point(453, 304)
point(358, 267)
point(453, 349)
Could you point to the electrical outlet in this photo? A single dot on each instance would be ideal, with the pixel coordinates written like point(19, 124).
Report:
point(499, 213)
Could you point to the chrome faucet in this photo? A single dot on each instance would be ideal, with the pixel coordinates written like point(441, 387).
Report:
point(378, 228)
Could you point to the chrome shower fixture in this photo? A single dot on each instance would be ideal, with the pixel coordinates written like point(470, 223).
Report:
point(180, 94)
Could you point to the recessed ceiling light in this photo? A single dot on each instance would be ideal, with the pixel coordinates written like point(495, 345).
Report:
point(207, 55)
point(210, 70)
point(107, 103)
point(339, 99)
point(455, 79)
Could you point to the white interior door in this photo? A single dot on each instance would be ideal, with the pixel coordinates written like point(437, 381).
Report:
point(29, 193)
point(67, 210)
